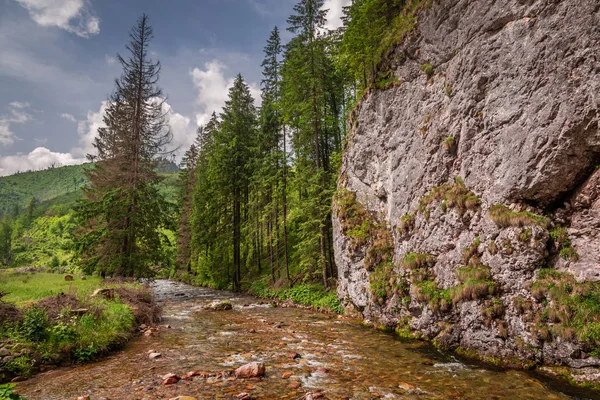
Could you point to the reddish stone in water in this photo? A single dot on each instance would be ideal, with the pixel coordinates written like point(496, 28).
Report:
point(244, 396)
point(294, 385)
point(322, 371)
point(287, 374)
point(251, 370)
point(294, 356)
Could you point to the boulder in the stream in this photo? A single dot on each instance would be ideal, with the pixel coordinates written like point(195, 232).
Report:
point(220, 305)
point(153, 356)
point(251, 370)
point(294, 356)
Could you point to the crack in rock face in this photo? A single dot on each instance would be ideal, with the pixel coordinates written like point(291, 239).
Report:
point(489, 164)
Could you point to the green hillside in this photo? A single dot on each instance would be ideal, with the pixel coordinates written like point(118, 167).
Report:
point(40, 235)
point(18, 190)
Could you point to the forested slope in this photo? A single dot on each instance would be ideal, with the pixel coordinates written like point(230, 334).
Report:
point(16, 191)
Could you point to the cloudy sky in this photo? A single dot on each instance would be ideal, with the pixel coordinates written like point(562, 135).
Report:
point(57, 66)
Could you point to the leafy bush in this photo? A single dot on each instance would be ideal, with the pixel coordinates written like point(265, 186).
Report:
point(35, 324)
point(7, 393)
point(21, 366)
point(307, 294)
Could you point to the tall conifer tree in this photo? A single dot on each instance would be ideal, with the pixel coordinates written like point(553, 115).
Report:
point(123, 212)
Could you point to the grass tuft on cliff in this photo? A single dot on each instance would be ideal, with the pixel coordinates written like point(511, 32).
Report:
point(504, 217)
point(570, 309)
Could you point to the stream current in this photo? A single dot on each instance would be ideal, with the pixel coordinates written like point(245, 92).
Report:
point(338, 358)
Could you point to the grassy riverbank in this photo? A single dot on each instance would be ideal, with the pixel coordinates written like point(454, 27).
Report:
point(47, 321)
point(312, 295)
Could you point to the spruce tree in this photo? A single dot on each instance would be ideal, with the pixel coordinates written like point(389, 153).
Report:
point(123, 212)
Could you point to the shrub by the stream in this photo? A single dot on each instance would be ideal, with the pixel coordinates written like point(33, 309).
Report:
point(35, 324)
point(7, 393)
point(313, 295)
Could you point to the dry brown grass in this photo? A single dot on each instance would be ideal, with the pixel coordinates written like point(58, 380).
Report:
point(142, 303)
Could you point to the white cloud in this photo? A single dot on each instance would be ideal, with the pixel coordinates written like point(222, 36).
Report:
point(16, 115)
point(68, 117)
point(334, 16)
point(19, 104)
point(74, 16)
point(6, 135)
point(39, 158)
point(184, 132)
point(87, 130)
point(182, 128)
point(213, 89)
point(110, 60)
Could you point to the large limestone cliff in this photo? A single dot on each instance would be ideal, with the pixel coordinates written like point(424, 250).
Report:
point(469, 197)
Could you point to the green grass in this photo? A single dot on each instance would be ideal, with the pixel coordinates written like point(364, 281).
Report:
point(505, 217)
point(51, 328)
point(455, 195)
point(570, 309)
point(24, 287)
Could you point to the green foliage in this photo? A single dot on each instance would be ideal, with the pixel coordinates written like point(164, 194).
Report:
point(427, 70)
point(7, 392)
point(451, 196)
point(448, 89)
point(449, 143)
point(560, 237)
point(407, 223)
point(505, 217)
point(21, 365)
point(313, 295)
point(16, 191)
point(35, 324)
point(570, 309)
point(371, 28)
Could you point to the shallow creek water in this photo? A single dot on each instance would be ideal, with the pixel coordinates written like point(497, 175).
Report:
point(339, 358)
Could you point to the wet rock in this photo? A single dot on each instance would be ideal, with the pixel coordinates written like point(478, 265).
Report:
point(153, 356)
point(86, 397)
point(287, 374)
point(183, 398)
point(322, 371)
point(294, 385)
point(244, 396)
point(251, 370)
point(222, 305)
point(170, 379)
point(294, 356)
point(406, 386)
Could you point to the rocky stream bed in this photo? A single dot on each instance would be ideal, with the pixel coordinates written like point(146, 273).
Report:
point(306, 355)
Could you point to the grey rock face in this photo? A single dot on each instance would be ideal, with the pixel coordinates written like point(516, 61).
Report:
point(512, 108)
